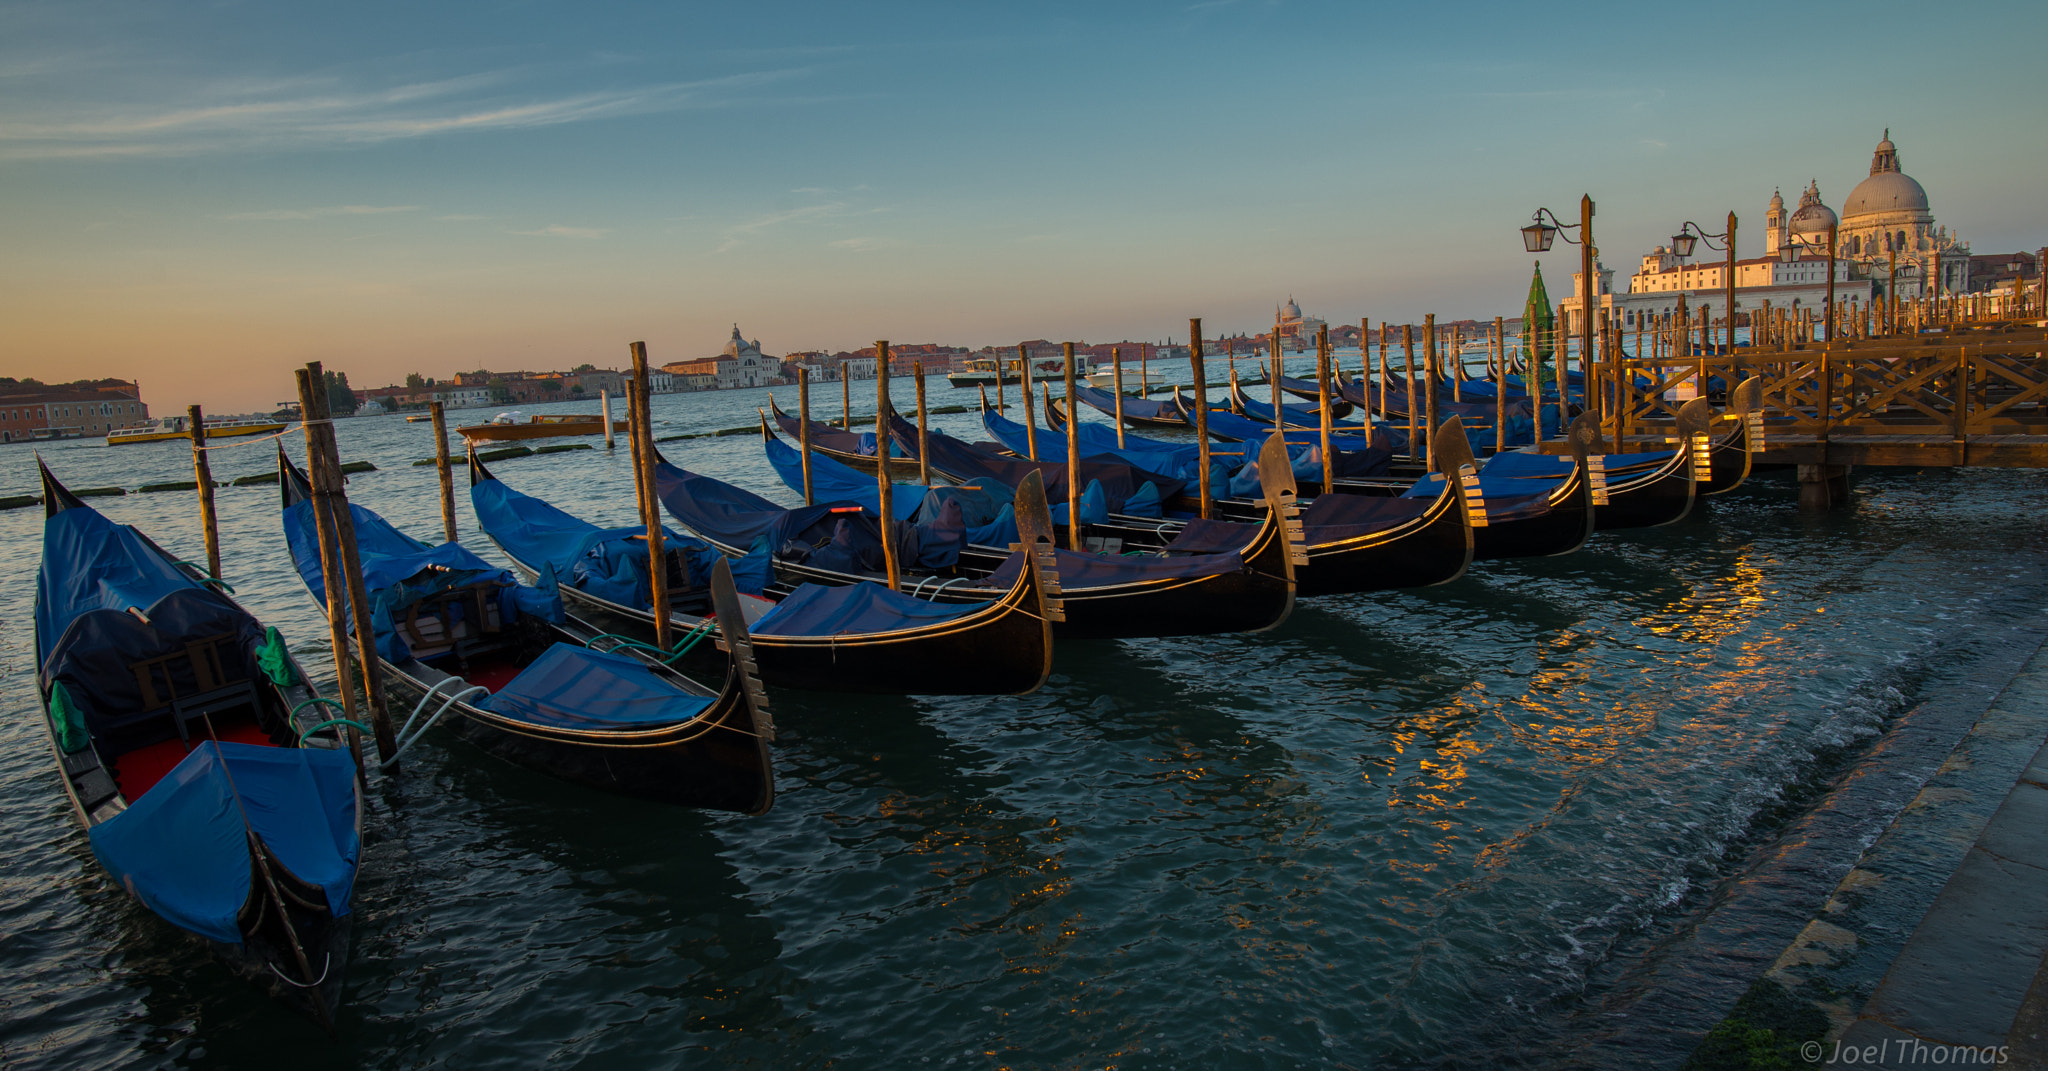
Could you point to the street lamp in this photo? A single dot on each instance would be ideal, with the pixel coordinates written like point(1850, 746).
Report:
point(1682, 244)
point(1832, 244)
point(1536, 238)
point(1891, 285)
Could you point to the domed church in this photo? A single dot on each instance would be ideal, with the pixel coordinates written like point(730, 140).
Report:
point(1888, 213)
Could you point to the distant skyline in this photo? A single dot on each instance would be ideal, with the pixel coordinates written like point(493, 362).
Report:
point(205, 197)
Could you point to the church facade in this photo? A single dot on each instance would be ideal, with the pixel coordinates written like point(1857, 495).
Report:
point(1886, 221)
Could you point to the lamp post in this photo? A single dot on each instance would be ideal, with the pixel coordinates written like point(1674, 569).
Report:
point(1891, 286)
point(1536, 238)
point(1682, 244)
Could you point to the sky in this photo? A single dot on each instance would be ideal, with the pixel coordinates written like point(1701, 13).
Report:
point(203, 196)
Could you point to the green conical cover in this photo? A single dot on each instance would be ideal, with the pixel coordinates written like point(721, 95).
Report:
point(1539, 332)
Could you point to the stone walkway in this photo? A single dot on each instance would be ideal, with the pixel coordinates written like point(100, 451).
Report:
point(1954, 969)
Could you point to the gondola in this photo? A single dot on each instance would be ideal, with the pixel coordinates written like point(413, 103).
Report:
point(1141, 582)
point(847, 638)
point(196, 753)
point(856, 449)
point(1138, 412)
point(1631, 490)
point(1351, 459)
point(1353, 542)
point(1420, 529)
point(1227, 427)
point(1297, 416)
point(519, 677)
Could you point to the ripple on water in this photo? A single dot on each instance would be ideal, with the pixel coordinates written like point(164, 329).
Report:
point(1402, 829)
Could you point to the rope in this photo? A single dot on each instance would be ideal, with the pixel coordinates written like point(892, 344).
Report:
point(453, 698)
point(316, 699)
point(332, 722)
point(918, 591)
point(314, 984)
point(689, 639)
point(245, 440)
point(205, 579)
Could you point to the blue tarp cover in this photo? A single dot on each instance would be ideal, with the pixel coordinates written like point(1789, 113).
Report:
point(866, 607)
point(1079, 571)
point(1141, 408)
point(399, 570)
point(1519, 465)
point(834, 480)
point(1300, 416)
point(94, 656)
point(182, 848)
point(1120, 482)
point(91, 563)
point(577, 688)
point(1507, 498)
point(1098, 440)
point(610, 563)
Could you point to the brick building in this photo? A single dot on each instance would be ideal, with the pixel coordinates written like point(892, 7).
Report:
point(86, 409)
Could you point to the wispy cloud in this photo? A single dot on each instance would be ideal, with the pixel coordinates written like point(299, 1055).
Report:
point(556, 230)
point(318, 213)
point(458, 218)
point(735, 234)
point(243, 114)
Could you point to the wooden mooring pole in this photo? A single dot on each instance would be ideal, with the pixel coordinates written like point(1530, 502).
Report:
point(1073, 455)
point(1323, 397)
point(1030, 414)
point(443, 465)
point(202, 475)
point(657, 554)
point(1201, 413)
point(330, 576)
point(1116, 364)
point(924, 472)
point(604, 400)
point(323, 464)
point(887, 486)
point(803, 427)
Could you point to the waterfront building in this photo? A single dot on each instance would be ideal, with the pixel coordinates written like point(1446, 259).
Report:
point(87, 409)
point(1297, 329)
point(1887, 215)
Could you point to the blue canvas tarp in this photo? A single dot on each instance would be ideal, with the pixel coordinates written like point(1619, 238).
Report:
point(183, 850)
point(91, 563)
point(851, 609)
point(610, 563)
point(399, 571)
point(1168, 459)
point(1507, 498)
point(1079, 570)
point(969, 464)
point(833, 480)
point(94, 655)
point(1519, 465)
point(1299, 416)
point(1139, 408)
point(574, 687)
point(842, 536)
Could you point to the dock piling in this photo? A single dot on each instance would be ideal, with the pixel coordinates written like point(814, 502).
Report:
point(202, 474)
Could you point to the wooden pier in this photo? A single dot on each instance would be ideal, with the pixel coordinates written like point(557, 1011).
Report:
point(1973, 392)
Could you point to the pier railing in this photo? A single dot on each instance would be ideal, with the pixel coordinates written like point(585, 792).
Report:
point(1895, 395)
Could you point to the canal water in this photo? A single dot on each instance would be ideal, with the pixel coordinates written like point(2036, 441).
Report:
point(1411, 829)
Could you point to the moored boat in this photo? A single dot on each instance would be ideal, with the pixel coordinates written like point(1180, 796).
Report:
point(860, 637)
point(194, 751)
point(503, 428)
point(525, 681)
point(179, 427)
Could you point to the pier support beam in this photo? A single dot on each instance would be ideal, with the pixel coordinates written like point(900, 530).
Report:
point(1823, 487)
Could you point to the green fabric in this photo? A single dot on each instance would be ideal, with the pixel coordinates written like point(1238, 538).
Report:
point(1539, 330)
point(276, 660)
point(67, 720)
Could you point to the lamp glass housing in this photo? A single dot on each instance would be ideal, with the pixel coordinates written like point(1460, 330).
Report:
point(1536, 237)
point(1682, 243)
